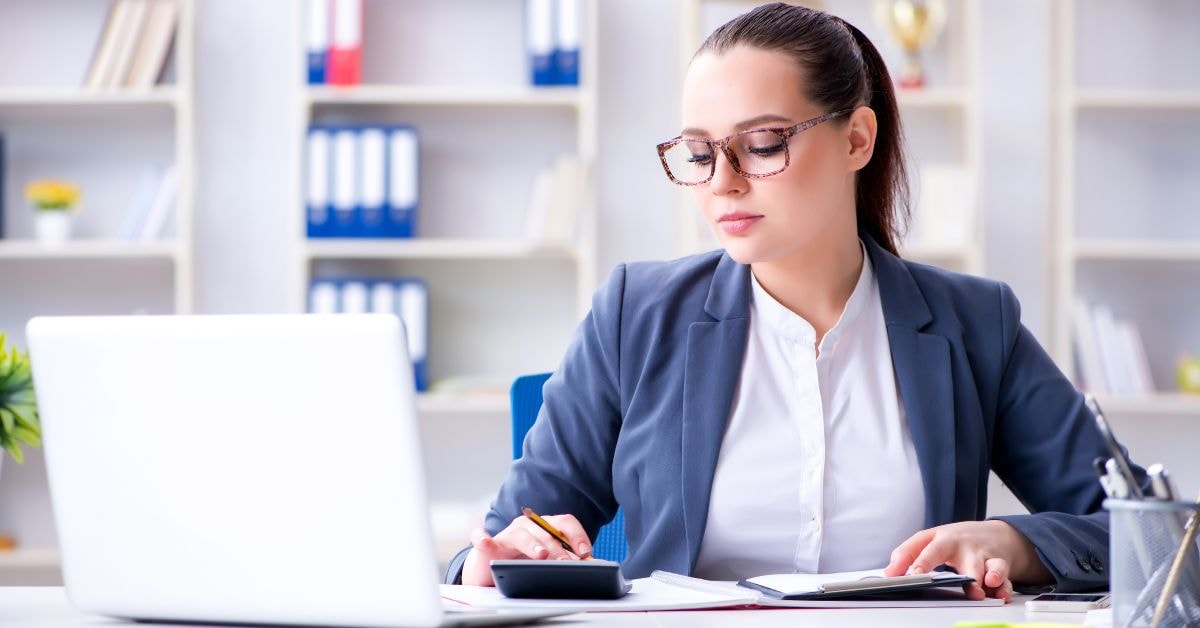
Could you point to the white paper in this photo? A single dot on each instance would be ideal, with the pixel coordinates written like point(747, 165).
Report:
point(647, 595)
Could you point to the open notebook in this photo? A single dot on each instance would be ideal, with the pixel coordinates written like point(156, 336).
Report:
point(665, 591)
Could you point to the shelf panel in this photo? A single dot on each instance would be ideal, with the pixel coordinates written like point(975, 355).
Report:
point(481, 403)
point(1137, 250)
point(30, 558)
point(1136, 99)
point(1161, 404)
point(433, 248)
point(934, 252)
point(79, 97)
point(448, 95)
point(87, 249)
point(932, 98)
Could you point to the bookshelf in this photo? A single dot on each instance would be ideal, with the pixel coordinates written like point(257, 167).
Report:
point(102, 140)
point(500, 305)
point(1126, 116)
point(943, 121)
point(55, 128)
point(469, 247)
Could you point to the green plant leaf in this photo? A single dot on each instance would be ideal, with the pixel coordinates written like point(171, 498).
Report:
point(8, 421)
point(23, 396)
point(26, 413)
point(14, 450)
point(27, 436)
point(34, 426)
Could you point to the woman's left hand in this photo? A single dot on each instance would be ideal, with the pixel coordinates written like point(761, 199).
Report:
point(994, 553)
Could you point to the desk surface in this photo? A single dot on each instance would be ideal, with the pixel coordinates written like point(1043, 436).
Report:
point(45, 607)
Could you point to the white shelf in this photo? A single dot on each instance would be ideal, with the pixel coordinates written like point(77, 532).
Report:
point(1135, 99)
point(1160, 404)
point(432, 248)
point(30, 558)
point(1137, 250)
point(87, 249)
point(449, 404)
point(932, 98)
point(79, 97)
point(448, 96)
point(923, 252)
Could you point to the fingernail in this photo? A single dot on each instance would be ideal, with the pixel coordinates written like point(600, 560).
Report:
point(538, 549)
point(563, 558)
point(915, 570)
point(584, 548)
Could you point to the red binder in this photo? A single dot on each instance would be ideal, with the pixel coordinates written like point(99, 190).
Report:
point(345, 49)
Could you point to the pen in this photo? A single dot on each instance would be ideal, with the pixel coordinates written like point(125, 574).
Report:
point(551, 530)
point(1160, 482)
point(1102, 471)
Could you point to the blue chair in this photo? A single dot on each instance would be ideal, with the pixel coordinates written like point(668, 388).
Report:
point(526, 396)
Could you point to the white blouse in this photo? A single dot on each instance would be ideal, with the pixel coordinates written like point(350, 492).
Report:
point(817, 472)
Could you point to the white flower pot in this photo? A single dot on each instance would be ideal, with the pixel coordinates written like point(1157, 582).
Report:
point(53, 227)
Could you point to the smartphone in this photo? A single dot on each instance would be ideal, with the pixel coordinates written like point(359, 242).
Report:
point(1068, 602)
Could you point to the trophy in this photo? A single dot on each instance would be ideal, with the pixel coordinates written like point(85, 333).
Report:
point(915, 24)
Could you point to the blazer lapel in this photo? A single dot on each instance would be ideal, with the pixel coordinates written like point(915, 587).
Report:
point(713, 365)
point(922, 364)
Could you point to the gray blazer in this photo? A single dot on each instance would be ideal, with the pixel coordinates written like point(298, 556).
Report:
point(635, 414)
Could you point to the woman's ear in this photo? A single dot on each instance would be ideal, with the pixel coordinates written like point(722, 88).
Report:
point(860, 135)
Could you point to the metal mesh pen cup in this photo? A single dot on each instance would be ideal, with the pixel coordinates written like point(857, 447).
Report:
point(1148, 556)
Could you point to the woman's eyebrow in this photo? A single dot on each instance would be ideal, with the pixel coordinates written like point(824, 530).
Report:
point(744, 124)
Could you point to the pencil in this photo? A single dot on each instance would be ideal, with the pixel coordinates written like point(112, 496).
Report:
point(551, 530)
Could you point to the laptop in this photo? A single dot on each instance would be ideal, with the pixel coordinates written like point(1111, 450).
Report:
point(257, 469)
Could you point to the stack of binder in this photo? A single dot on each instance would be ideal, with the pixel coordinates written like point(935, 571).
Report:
point(407, 298)
point(362, 181)
point(553, 34)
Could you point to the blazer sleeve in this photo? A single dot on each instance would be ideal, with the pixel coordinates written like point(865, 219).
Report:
point(1044, 443)
point(566, 464)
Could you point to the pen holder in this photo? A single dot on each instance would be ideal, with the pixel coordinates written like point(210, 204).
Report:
point(1151, 551)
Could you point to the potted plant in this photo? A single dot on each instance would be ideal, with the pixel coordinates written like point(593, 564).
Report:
point(19, 423)
point(54, 203)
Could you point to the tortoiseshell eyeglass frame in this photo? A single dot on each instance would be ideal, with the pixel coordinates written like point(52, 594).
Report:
point(723, 144)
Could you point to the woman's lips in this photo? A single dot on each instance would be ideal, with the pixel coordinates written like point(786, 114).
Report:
point(735, 223)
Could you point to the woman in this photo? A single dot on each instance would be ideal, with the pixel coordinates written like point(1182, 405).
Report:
point(804, 400)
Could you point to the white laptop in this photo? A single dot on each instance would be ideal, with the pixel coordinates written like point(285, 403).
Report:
point(239, 469)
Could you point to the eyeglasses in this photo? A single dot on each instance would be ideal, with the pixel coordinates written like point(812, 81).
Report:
point(755, 154)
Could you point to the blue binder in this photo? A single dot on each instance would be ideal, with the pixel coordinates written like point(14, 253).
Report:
point(403, 182)
point(372, 163)
point(539, 41)
point(317, 40)
point(568, 19)
point(318, 152)
point(345, 189)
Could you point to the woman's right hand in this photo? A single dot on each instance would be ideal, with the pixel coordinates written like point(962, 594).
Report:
point(522, 539)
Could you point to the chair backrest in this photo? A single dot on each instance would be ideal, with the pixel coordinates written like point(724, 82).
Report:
point(526, 396)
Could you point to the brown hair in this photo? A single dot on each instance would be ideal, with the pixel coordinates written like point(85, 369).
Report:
point(843, 71)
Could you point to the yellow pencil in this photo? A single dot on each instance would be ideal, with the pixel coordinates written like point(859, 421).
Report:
point(551, 530)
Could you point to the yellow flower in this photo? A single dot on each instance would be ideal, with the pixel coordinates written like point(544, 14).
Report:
point(50, 194)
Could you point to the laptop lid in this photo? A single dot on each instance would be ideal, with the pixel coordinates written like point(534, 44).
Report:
point(259, 468)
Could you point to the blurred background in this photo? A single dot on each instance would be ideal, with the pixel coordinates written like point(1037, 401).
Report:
point(478, 167)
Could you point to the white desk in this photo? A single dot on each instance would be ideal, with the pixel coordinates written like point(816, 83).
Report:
point(46, 607)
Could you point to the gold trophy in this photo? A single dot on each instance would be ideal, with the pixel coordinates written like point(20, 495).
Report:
point(915, 24)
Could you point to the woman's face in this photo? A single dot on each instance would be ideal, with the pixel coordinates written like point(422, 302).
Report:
point(766, 219)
